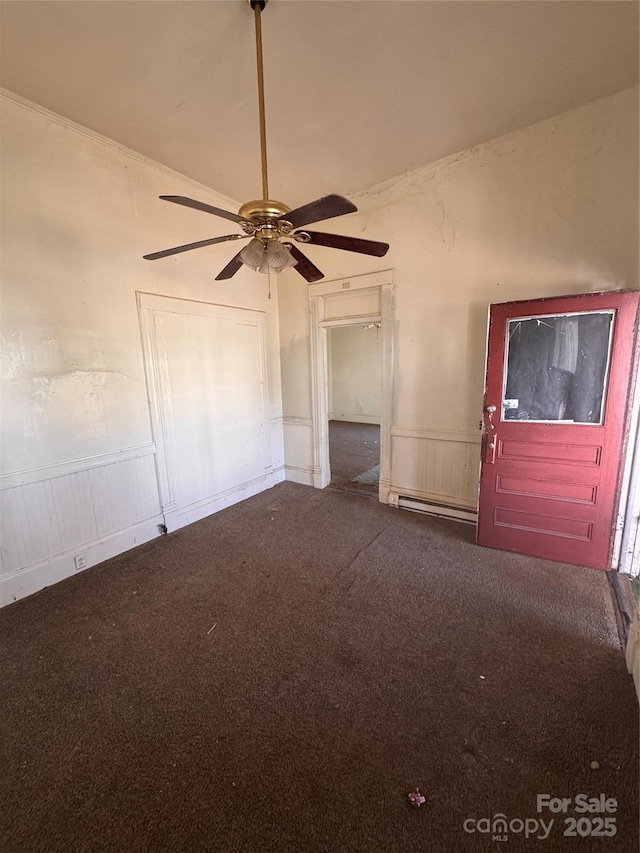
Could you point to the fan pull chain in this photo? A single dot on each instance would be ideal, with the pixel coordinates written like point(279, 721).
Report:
point(257, 7)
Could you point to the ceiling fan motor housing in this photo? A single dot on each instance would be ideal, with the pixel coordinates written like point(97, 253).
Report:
point(263, 209)
point(265, 218)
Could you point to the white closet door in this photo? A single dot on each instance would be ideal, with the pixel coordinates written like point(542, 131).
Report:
point(209, 379)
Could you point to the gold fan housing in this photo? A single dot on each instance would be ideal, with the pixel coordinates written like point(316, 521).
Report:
point(263, 209)
point(264, 219)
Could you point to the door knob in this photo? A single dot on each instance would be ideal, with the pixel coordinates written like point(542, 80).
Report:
point(490, 409)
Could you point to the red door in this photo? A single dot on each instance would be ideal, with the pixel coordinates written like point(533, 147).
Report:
point(555, 425)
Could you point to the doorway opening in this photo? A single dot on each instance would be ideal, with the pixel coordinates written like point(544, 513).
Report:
point(354, 361)
point(364, 300)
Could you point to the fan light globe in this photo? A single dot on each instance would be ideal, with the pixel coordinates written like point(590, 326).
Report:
point(253, 253)
point(274, 257)
point(277, 258)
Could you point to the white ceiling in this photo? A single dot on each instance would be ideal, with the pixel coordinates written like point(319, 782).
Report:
point(357, 92)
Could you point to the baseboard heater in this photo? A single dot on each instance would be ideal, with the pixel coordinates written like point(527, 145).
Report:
point(469, 516)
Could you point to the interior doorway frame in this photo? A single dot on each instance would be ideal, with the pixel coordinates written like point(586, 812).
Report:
point(350, 301)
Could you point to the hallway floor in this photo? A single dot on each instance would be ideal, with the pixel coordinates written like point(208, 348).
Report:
point(353, 449)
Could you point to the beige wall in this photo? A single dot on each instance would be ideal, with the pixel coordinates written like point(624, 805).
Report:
point(355, 371)
point(548, 210)
point(78, 212)
point(551, 209)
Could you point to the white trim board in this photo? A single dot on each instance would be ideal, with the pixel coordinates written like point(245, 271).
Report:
point(363, 281)
point(303, 476)
point(73, 466)
point(437, 434)
point(292, 420)
point(209, 506)
point(626, 551)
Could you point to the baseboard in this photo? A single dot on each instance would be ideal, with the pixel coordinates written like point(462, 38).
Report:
point(209, 506)
point(40, 575)
point(298, 475)
point(278, 475)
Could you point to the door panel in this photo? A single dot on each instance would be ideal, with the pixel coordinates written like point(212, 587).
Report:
point(213, 403)
point(554, 427)
point(208, 371)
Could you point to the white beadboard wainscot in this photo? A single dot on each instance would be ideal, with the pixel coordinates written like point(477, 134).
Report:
point(90, 508)
point(298, 450)
point(437, 466)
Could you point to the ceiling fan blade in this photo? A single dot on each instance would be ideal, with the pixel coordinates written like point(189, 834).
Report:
point(188, 246)
point(200, 205)
point(349, 244)
point(304, 266)
point(319, 210)
point(231, 268)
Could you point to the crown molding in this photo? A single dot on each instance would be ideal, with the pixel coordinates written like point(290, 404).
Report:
point(375, 196)
point(106, 141)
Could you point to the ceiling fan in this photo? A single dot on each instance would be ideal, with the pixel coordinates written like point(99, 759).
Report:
point(274, 227)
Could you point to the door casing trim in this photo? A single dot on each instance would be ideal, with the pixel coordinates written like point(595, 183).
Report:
point(320, 296)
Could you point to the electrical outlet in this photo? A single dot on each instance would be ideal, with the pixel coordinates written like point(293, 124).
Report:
point(80, 561)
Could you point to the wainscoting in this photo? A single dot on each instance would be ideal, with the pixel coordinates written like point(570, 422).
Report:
point(438, 466)
point(90, 509)
point(214, 445)
point(298, 450)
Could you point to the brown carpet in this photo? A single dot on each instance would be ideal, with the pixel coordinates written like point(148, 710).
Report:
point(358, 652)
point(353, 449)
